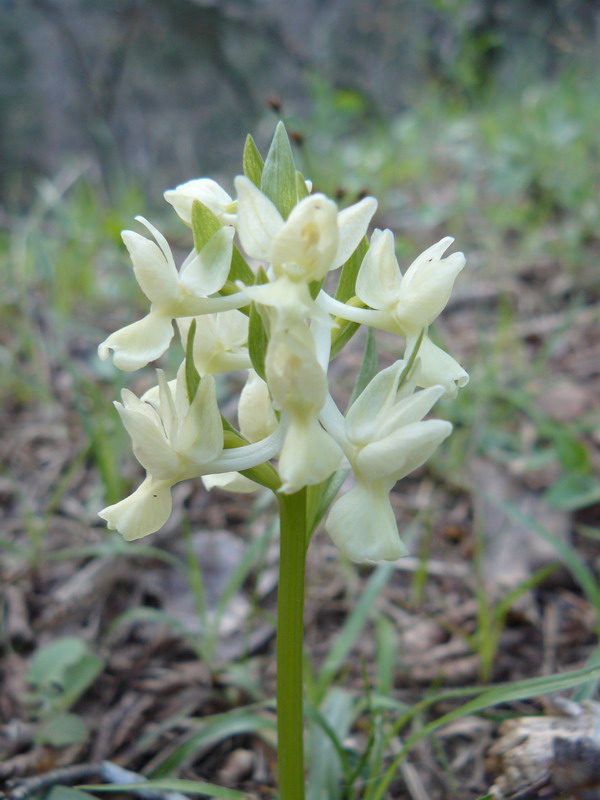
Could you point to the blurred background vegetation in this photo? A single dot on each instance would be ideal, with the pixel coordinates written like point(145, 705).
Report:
point(152, 92)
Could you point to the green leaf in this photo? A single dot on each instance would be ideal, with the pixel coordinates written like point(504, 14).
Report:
point(572, 453)
point(49, 665)
point(301, 187)
point(264, 474)
point(342, 336)
point(147, 614)
point(320, 497)
point(62, 730)
point(62, 671)
point(278, 180)
point(174, 785)
point(347, 284)
point(509, 693)
point(252, 161)
point(314, 287)
point(192, 376)
point(345, 291)
point(214, 729)
point(327, 758)
point(204, 224)
point(587, 691)
point(257, 334)
point(387, 654)
point(502, 693)
point(574, 491)
point(78, 677)
point(410, 363)
point(240, 270)
point(368, 366)
point(68, 793)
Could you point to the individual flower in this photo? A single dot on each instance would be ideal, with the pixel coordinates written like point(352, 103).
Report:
point(220, 341)
point(407, 304)
point(314, 239)
point(416, 298)
point(171, 293)
point(384, 438)
point(209, 193)
point(175, 439)
point(298, 387)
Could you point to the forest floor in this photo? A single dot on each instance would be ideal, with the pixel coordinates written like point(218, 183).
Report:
point(501, 585)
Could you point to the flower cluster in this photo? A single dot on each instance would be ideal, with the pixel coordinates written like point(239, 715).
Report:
point(253, 295)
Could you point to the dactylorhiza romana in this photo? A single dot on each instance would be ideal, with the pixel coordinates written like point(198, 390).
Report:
point(250, 296)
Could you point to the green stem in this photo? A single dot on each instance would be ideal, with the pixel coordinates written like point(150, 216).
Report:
point(290, 636)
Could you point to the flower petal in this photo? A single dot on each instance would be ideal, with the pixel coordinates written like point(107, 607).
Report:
point(231, 482)
point(373, 403)
point(200, 435)
point(258, 221)
point(362, 524)
point(403, 451)
point(166, 401)
point(408, 410)
point(151, 397)
point(437, 367)
point(249, 455)
point(427, 285)
point(207, 271)
point(309, 455)
point(150, 444)
point(256, 417)
point(352, 226)
point(296, 380)
point(139, 343)
point(379, 278)
point(143, 405)
point(160, 239)
point(156, 275)
point(288, 302)
point(143, 512)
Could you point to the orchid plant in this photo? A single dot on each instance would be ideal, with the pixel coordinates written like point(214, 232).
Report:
point(255, 295)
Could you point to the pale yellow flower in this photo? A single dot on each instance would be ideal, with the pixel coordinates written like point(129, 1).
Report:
point(384, 439)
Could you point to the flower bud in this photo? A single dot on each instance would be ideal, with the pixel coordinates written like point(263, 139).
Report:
point(208, 192)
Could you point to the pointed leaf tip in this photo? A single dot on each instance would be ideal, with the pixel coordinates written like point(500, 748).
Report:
point(204, 224)
point(252, 161)
point(278, 179)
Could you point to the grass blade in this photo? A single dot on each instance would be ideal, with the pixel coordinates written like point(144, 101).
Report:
point(502, 693)
point(352, 628)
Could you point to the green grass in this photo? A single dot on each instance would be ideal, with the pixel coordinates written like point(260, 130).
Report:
point(521, 164)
